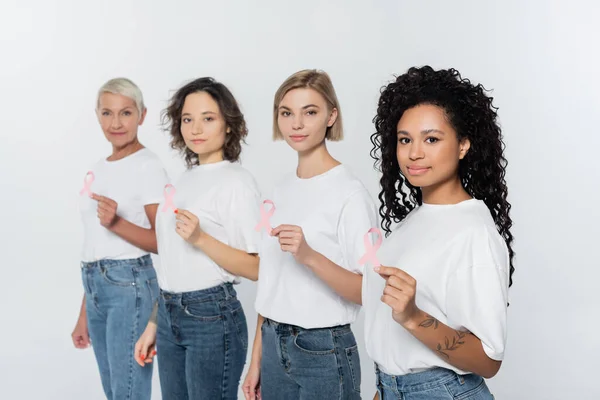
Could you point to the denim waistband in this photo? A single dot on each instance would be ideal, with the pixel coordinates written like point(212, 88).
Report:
point(416, 381)
point(223, 291)
point(143, 261)
point(287, 328)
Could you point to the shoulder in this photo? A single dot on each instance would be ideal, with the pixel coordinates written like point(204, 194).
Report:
point(238, 178)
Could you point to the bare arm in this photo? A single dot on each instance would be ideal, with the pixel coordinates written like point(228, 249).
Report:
point(460, 349)
point(345, 283)
point(236, 262)
point(257, 346)
point(142, 238)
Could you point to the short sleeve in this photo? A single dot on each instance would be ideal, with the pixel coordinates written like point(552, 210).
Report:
point(240, 213)
point(357, 217)
point(477, 299)
point(153, 180)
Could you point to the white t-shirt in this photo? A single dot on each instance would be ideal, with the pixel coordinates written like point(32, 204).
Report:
point(133, 182)
point(461, 265)
point(334, 210)
point(225, 198)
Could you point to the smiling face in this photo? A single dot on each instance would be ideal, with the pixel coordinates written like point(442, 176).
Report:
point(203, 126)
point(428, 148)
point(303, 119)
point(119, 118)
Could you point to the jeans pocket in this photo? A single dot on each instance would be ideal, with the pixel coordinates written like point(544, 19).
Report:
point(469, 387)
point(203, 311)
point(118, 276)
point(354, 364)
point(315, 342)
point(241, 326)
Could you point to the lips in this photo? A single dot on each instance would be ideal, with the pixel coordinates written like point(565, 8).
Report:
point(298, 138)
point(416, 170)
point(198, 141)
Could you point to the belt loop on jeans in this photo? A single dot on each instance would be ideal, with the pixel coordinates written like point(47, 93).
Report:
point(227, 291)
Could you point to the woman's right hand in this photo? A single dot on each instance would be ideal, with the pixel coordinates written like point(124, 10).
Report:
point(251, 386)
point(81, 335)
point(145, 348)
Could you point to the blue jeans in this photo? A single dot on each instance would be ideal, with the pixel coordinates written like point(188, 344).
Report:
point(307, 364)
point(119, 295)
point(434, 384)
point(202, 344)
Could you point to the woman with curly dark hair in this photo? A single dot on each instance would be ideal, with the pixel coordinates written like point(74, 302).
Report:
point(447, 265)
point(206, 242)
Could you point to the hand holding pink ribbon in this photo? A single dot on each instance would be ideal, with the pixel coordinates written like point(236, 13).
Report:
point(371, 250)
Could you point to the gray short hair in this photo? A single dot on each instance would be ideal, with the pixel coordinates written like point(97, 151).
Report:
point(124, 87)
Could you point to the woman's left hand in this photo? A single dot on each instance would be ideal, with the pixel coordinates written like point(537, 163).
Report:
point(188, 226)
point(399, 293)
point(291, 239)
point(107, 210)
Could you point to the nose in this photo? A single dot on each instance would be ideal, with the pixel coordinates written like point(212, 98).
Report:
point(196, 128)
point(298, 123)
point(416, 151)
point(115, 123)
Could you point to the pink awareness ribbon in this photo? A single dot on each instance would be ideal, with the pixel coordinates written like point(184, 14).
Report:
point(265, 216)
point(169, 197)
point(371, 250)
point(87, 183)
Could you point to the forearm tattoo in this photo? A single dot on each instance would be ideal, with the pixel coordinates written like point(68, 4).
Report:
point(450, 343)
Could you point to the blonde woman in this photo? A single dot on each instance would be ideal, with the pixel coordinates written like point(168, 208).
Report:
point(118, 204)
point(309, 286)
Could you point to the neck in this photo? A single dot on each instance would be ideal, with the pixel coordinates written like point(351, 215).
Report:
point(448, 192)
point(119, 153)
point(210, 158)
point(315, 161)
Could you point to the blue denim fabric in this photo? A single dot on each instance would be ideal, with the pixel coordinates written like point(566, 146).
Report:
point(202, 344)
point(119, 298)
point(307, 364)
point(434, 384)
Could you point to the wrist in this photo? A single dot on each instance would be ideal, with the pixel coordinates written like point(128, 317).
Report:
point(200, 239)
point(412, 323)
point(113, 226)
point(312, 259)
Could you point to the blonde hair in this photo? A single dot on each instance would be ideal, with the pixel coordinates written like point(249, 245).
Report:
point(124, 87)
point(321, 83)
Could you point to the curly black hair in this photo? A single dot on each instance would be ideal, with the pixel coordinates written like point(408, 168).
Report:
point(234, 119)
point(472, 115)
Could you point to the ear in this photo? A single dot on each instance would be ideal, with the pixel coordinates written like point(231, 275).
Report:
point(228, 130)
point(464, 147)
point(332, 117)
point(143, 116)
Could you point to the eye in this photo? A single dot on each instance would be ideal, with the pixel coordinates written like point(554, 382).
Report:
point(208, 119)
point(431, 140)
point(285, 114)
point(127, 113)
point(105, 113)
point(185, 120)
point(312, 112)
point(403, 140)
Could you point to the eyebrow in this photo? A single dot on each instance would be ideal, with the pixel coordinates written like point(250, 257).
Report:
point(122, 109)
point(304, 108)
point(204, 113)
point(423, 132)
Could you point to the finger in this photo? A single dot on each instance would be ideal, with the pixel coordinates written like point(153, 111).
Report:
point(394, 293)
point(289, 241)
point(288, 235)
point(398, 283)
point(105, 207)
point(290, 249)
point(394, 303)
point(285, 227)
point(186, 214)
point(389, 271)
point(97, 197)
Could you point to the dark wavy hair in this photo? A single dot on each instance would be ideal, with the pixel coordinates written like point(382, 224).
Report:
point(234, 119)
point(472, 115)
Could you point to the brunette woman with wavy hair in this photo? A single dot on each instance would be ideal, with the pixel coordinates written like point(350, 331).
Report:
point(206, 242)
point(436, 308)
